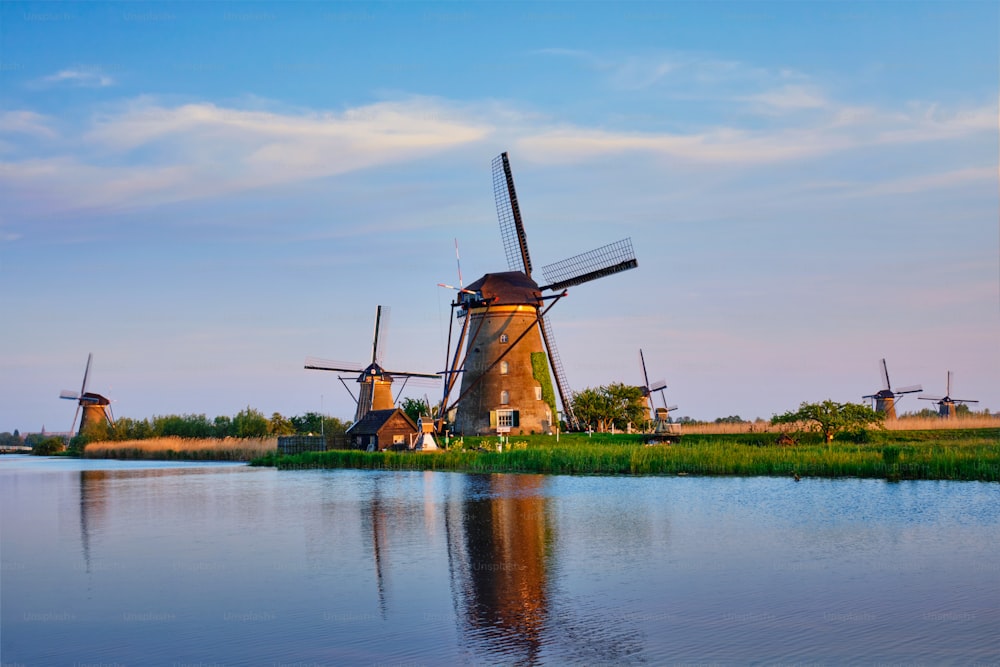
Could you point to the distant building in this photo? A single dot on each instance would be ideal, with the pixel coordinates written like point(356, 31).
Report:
point(379, 430)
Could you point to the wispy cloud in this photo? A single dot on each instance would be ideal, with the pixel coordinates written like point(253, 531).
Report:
point(836, 131)
point(81, 76)
point(26, 122)
point(148, 153)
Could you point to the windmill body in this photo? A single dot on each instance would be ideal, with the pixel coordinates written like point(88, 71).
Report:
point(504, 382)
point(947, 406)
point(374, 381)
point(96, 408)
point(884, 400)
point(509, 350)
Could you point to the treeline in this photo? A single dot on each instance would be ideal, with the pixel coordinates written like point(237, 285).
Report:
point(247, 423)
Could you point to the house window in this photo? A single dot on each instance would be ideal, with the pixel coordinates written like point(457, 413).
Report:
point(503, 338)
point(504, 368)
point(538, 393)
point(398, 439)
point(505, 418)
point(504, 397)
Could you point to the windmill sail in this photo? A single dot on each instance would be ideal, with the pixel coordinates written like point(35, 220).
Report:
point(598, 263)
point(515, 242)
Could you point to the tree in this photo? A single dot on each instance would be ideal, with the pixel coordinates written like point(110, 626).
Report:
point(250, 423)
point(49, 446)
point(280, 425)
point(830, 417)
point(616, 405)
point(415, 408)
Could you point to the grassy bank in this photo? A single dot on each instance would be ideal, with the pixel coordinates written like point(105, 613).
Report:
point(183, 449)
point(971, 454)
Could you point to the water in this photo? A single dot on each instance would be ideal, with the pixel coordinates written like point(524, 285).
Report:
point(211, 564)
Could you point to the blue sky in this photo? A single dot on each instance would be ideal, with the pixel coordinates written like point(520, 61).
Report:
point(202, 195)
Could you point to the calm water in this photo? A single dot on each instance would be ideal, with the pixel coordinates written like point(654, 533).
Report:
point(137, 564)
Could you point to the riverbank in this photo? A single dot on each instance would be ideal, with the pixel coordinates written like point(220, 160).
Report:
point(966, 454)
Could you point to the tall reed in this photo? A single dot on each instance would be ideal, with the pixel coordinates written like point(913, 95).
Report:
point(174, 448)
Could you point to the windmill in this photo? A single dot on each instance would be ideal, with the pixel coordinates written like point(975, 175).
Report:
point(649, 389)
point(885, 400)
point(375, 392)
point(96, 408)
point(509, 346)
point(946, 404)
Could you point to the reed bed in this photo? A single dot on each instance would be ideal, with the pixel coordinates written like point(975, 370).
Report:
point(904, 424)
point(974, 458)
point(174, 448)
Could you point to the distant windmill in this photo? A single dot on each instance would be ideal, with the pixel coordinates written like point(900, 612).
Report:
point(96, 408)
point(648, 390)
point(885, 400)
point(946, 404)
point(375, 392)
point(506, 386)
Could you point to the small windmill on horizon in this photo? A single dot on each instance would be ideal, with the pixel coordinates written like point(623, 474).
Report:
point(649, 389)
point(509, 348)
point(96, 408)
point(375, 392)
point(884, 400)
point(947, 404)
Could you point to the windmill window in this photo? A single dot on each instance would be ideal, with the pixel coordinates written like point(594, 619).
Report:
point(503, 338)
point(538, 393)
point(505, 418)
point(504, 368)
point(504, 397)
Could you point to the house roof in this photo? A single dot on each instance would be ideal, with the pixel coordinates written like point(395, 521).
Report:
point(373, 422)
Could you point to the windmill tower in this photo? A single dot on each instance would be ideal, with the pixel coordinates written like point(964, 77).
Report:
point(96, 408)
point(946, 404)
point(885, 400)
point(375, 392)
point(509, 347)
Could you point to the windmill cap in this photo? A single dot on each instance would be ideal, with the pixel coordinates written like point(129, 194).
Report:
point(508, 288)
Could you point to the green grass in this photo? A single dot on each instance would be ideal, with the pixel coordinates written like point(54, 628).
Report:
point(965, 455)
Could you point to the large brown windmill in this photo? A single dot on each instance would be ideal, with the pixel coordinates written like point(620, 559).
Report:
point(946, 404)
point(375, 392)
point(508, 344)
point(885, 399)
point(96, 408)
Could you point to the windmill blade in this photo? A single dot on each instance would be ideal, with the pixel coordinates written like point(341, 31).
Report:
point(458, 262)
point(659, 385)
point(72, 428)
point(671, 408)
point(885, 377)
point(645, 376)
point(86, 372)
point(515, 243)
point(407, 374)
point(381, 329)
point(963, 400)
point(909, 390)
point(948, 387)
point(562, 385)
point(598, 263)
point(70, 394)
point(317, 364)
point(931, 398)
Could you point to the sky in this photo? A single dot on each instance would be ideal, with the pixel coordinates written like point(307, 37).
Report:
point(202, 195)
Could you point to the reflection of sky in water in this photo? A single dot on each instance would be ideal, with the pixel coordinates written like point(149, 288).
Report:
point(232, 564)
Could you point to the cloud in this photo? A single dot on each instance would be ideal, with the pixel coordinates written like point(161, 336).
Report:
point(25, 122)
point(839, 129)
point(148, 153)
point(83, 77)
